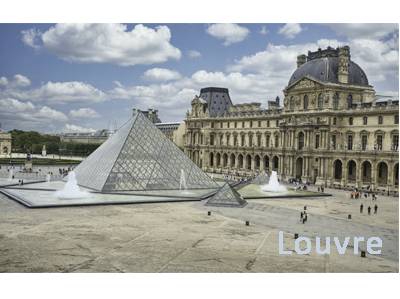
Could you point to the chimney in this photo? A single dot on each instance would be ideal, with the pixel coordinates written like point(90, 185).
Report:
point(134, 112)
point(344, 58)
point(301, 59)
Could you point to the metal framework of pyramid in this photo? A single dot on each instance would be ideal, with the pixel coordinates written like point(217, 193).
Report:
point(139, 157)
point(261, 179)
point(227, 196)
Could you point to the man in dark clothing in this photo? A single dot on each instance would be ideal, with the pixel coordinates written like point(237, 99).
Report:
point(376, 209)
point(369, 210)
point(361, 208)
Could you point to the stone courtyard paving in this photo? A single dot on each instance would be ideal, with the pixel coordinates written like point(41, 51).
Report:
point(182, 237)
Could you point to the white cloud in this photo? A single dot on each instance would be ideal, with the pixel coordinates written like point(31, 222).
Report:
point(3, 81)
point(158, 74)
point(105, 43)
point(194, 54)
point(231, 33)
point(19, 81)
point(290, 30)
point(264, 30)
point(84, 113)
point(60, 93)
point(19, 114)
point(76, 129)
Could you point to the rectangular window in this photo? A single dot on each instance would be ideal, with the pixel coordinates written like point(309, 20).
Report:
point(276, 140)
point(250, 140)
point(222, 125)
point(242, 124)
point(259, 123)
point(201, 139)
point(350, 142)
point(227, 139)
point(334, 121)
point(235, 140)
point(212, 125)
point(221, 140)
point(379, 141)
point(228, 125)
point(316, 141)
point(235, 124)
point(334, 141)
point(364, 140)
point(259, 140)
point(211, 139)
point(277, 123)
point(267, 140)
point(267, 123)
point(395, 142)
point(242, 140)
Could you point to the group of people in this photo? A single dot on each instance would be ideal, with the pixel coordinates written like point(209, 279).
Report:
point(369, 209)
point(303, 217)
point(321, 188)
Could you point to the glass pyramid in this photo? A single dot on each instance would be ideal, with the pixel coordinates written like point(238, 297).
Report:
point(139, 157)
point(261, 179)
point(227, 196)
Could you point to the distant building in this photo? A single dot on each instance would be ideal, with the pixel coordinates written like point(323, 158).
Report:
point(150, 114)
point(174, 131)
point(99, 136)
point(5, 143)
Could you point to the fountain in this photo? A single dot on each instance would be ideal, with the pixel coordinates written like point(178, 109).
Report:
point(10, 176)
point(182, 182)
point(71, 189)
point(273, 185)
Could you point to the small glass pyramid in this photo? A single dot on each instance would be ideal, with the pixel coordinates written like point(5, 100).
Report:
point(227, 196)
point(139, 157)
point(261, 179)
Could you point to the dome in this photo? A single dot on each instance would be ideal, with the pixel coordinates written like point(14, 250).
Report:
point(324, 67)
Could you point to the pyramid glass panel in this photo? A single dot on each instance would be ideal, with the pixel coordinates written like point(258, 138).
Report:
point(261, 179)
point(139, 157)
point(227, 196)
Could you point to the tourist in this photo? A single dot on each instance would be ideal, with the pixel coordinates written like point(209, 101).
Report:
point(301, 216)
point(319, 188)
point(361, 208)
point(305, 216)
point(376, 196)
point(369, 210)
point(22, 182)
point(19, 182)
point(376, 209)
point(351, 195)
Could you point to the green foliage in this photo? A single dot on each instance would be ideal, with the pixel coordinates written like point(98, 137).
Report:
point(33, 142)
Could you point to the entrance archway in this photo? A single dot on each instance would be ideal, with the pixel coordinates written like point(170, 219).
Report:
point(366, 178)
point(382, 174)
point(338, 169)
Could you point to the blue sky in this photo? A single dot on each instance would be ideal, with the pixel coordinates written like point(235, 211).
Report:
point(75, 77)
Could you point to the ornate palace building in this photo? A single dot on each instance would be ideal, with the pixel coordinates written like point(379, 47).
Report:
point(332, 129)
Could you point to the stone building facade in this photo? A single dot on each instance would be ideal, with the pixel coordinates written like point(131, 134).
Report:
point(332, 130)
point(5, 143)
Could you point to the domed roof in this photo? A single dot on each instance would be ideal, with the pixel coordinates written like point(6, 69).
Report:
point(324, 67)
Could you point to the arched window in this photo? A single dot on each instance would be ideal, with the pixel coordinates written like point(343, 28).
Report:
point(305, 102)
point(320, 101)
point(349, 101)
point(365, 120)
point(291, 103)
point(301, 140)
point(335, 101)
point(380, 120)
point(350, 121)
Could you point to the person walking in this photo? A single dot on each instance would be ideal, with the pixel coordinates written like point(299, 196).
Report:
point(376, 209)
point(369, 210)
point(301, 216)
point(305, 215)
point(361, 208)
